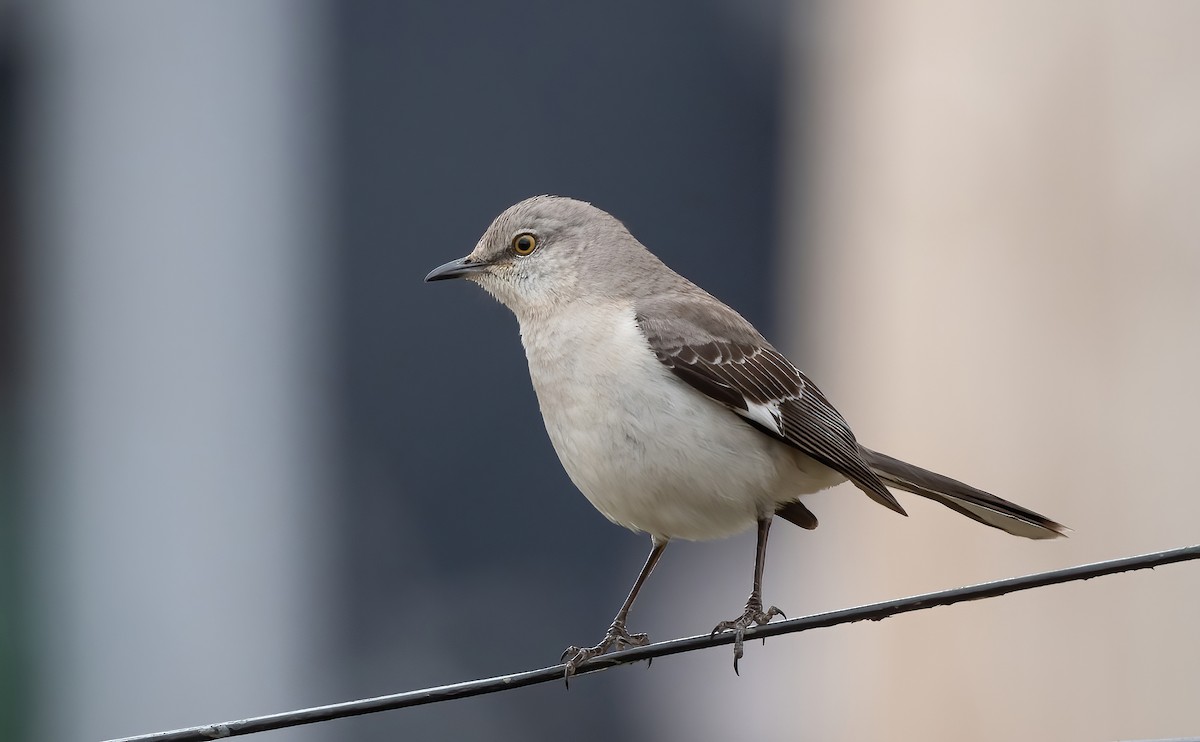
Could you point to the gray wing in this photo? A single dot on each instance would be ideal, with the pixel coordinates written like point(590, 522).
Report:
point(713, 349)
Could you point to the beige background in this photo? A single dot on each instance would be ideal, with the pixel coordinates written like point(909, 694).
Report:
point(1003, 284)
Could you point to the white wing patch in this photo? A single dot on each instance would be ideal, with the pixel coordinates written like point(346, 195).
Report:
point(766, 415)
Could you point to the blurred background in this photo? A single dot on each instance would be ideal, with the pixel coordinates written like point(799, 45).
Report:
point(250, 463)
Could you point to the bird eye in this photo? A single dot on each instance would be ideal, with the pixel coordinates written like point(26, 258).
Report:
point(524, 243)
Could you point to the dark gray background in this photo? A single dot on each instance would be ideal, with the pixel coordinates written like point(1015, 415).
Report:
point(664, 114)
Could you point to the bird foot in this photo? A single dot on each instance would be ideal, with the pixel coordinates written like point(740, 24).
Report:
point(754, 615)
point(615, 639)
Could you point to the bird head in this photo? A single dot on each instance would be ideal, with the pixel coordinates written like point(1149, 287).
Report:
point(547, 251)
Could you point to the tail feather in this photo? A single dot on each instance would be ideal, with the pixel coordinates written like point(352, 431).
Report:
point(962, 498)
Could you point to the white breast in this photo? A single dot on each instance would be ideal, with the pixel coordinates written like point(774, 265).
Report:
point(648, 451)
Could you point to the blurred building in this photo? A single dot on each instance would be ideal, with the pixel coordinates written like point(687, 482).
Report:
point(249, 463)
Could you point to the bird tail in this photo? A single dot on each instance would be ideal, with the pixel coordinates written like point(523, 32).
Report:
point(962, 498)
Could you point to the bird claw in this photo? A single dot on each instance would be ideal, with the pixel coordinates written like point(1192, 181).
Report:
point(615, 639)
point(754, 615)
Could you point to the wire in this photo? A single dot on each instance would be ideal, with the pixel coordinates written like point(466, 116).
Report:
point(871, 612)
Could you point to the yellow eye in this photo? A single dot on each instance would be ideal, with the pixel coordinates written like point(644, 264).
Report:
point(524, 243)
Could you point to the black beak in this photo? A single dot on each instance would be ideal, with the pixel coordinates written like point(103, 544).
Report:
point(456, 269)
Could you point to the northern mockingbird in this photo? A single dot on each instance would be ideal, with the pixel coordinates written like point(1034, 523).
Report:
point(671, 413)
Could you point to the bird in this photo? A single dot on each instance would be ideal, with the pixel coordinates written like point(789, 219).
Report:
point(669, 411)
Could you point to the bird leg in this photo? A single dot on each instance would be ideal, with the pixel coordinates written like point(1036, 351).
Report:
point(617, 637)
point(754, 615)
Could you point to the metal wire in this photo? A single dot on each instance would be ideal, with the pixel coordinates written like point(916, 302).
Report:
point(871, 612)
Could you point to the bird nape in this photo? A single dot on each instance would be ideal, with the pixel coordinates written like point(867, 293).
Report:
point(668, 410)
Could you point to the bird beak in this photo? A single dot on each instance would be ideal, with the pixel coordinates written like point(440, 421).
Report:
point(456, 269)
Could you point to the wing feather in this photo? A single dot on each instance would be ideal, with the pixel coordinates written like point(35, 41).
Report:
point(715, 351)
